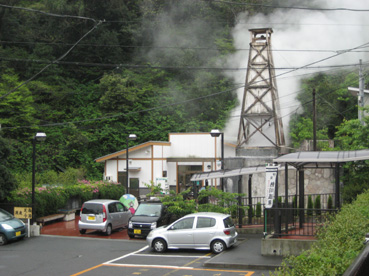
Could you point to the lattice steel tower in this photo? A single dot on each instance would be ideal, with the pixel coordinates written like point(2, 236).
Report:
point(260, 122)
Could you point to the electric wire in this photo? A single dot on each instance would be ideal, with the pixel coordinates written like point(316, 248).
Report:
point(51, 63)
point(288, 7)
point(48, 13)
point(99, 22)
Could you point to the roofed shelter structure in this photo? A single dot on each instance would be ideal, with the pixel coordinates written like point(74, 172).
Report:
point(318, 159)
point(321, 159)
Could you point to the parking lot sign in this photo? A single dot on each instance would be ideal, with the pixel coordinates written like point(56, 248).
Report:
point(23, 212)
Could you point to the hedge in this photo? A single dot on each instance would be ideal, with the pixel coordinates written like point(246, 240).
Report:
point(50, 199)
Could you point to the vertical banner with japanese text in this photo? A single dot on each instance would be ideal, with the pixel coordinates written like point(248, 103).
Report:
point(270, 185)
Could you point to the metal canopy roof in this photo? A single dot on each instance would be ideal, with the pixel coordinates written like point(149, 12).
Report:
point(229, 173)
point(318, 158)
point(323, 156)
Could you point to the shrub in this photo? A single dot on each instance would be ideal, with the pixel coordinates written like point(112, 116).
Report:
point(294, 205)
point(310, 206)
point(49, 199)
point(235, 210)
point(258, 210)
point(179, 205)
point(330, 202)
point(317, 205)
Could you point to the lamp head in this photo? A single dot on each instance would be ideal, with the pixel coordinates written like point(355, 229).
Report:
point(40, 136)
point(215, 133)
point(132, 137)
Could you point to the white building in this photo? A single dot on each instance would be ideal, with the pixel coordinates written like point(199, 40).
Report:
point(169, 163)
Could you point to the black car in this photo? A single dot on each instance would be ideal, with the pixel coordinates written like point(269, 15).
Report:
point(148, 216)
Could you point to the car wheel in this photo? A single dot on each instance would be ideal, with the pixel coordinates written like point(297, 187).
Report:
point(108, 230)
point(82, 231)
point(159, 245)
point(3, 239)
point(131, 236)
point(217, 246)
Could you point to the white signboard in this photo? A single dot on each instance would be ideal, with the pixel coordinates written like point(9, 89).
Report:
point(270, 185)
point(163, 181)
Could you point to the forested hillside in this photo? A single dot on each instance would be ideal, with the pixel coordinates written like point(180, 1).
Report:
point(88, 73)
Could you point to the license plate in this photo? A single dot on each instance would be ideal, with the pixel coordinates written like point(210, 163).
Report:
point(17, 233)
point(90, 218)
point(137, 231)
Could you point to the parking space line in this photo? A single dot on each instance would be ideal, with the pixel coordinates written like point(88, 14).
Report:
point(173, 256)
point(127, 255)
point(248, 273)
point(86, 270)
point(185, 267)
point(149, 266)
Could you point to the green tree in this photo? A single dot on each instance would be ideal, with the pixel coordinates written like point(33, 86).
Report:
point(351, 135)
point(7, 183)
point(16, 108)
point(302, 129)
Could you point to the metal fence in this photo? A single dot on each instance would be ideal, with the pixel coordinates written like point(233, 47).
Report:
point(295, 222)
point(254, 214)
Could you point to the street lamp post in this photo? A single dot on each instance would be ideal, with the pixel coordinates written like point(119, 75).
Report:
point(129, 137)
point(40, 136)
point(217, 133)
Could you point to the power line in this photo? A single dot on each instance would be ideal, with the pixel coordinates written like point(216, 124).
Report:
point(149, 66)
point(51, 63)
point(148, 110)
point(48, 13)
point(288, 7)
point(174, 47)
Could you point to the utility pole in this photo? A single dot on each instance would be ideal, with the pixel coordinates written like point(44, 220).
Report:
point(314, 121)
point(361, 94)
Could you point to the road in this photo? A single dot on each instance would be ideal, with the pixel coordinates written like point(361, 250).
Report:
point(56, 255)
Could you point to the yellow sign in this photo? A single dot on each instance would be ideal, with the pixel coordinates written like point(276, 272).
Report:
point(23, 212)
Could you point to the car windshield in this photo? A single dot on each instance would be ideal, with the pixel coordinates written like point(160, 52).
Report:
point(228, 222)
point(150, 210)
point(4, 215)
point(92, 208)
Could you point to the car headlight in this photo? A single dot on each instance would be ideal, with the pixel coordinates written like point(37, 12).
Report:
point(153, 225)
point(7, 226)
point(130, 225)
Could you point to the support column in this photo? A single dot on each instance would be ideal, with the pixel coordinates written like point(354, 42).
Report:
point(240, 212)
point(250, 199)
point(301, 197)
point(277, 213)
point(286, 195)
point(337, 181)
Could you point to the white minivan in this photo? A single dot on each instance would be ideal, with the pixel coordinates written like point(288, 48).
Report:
point(103, 215)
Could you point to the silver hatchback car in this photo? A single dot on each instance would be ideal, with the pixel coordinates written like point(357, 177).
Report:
point(103, 215)
point(206, 230)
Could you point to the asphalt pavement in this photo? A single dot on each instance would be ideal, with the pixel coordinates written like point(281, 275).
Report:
point(245, 254)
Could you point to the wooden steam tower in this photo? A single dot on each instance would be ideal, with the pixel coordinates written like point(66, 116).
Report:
point(260, 122)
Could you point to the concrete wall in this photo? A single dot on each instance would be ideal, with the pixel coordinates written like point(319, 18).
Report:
point(284, 247)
